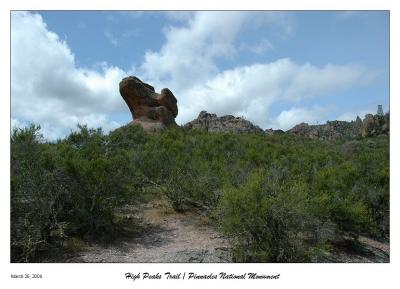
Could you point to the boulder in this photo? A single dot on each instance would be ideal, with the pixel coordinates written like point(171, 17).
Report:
point(153, 111)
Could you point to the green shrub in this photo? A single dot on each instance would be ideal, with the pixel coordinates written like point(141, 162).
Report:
point(38, 196)
point(266, 219)
point(66, 189)
point(187, 188)
point(281, 198)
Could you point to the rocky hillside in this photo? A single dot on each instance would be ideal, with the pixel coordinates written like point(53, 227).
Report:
point(227, 123)
point(372, 125)
point(330, 130)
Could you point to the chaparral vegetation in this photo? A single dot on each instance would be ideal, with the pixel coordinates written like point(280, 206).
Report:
point(278, 198)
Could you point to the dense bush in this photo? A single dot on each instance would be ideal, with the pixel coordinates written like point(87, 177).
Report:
point(66, 189)
point(266, 217)
point(37, 194)
point(280, 198)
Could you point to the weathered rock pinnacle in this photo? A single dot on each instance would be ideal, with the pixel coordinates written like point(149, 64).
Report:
point(153, 111)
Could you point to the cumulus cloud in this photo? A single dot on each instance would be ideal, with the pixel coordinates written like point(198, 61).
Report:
point(251, 90)
point(187, 63)
point(188, 55)
point(49, 89)
point(192, 48)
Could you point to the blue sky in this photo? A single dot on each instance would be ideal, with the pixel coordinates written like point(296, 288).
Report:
point(274, 68)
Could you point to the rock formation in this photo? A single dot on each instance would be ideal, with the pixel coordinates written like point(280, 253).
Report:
point(372, 125)
point(331, 130)
point(369, 126)
point(153, 111)
point(227, 123)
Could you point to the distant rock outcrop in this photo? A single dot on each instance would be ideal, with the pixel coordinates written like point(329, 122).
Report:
point(331, 130)
point(372, 125)
point(153, 111)
point(227, 123)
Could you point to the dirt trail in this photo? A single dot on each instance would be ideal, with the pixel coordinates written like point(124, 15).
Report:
point(166, 236)
point(160, 235)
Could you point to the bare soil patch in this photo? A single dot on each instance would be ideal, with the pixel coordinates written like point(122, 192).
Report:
point(163, 236)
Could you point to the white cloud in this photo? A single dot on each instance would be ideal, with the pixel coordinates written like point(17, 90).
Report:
point(251, 90)
point(47, 87)
point(189, 54)
point(295, 115)
point(186, 64)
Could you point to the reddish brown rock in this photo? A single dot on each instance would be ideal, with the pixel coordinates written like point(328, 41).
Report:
point(153, 111)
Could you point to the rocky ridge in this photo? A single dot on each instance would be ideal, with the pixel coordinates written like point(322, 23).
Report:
point(224, 124)
point(372, 125)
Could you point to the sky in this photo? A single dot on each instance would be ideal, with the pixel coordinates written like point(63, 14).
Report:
point(274, 68)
